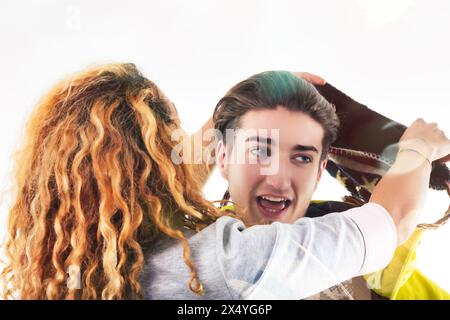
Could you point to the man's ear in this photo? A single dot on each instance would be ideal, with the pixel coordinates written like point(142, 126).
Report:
point(221, 159)
point(322, 167)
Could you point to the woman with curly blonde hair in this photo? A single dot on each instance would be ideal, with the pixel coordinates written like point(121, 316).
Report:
point(95, 186)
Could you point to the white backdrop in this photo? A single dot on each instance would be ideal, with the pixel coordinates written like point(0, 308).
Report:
point(390, 55)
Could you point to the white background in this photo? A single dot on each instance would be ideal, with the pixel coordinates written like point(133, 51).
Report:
point(390, 55)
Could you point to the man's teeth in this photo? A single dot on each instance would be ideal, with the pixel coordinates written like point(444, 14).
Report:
point(275, 199)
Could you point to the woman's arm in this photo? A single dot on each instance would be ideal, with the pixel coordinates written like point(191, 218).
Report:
point(402, 190)
point(201, 145)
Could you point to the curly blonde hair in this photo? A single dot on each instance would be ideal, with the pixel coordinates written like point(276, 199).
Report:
point(95, 186)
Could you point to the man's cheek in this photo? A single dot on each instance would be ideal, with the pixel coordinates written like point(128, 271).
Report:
point(249, 178)
point(252, 175)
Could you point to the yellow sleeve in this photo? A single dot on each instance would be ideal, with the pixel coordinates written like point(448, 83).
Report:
point(401, 280)
point(419, 287)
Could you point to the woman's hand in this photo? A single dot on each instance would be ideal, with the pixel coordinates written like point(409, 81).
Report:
point(312, 78)
point(427, 139)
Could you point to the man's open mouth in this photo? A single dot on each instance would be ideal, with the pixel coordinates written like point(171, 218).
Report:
point(273, 207)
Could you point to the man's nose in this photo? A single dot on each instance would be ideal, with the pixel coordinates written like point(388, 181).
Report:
point(280, 180)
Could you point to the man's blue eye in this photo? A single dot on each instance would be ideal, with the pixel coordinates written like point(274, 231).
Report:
point(303, 159)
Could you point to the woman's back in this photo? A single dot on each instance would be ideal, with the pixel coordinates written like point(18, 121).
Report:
point(95, 185)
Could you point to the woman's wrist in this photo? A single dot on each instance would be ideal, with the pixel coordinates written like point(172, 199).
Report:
point(411, 156)
point(419, 146)
point(417, 153)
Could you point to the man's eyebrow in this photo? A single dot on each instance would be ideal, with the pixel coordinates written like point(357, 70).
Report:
point(300, 147)
point(259, 139)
